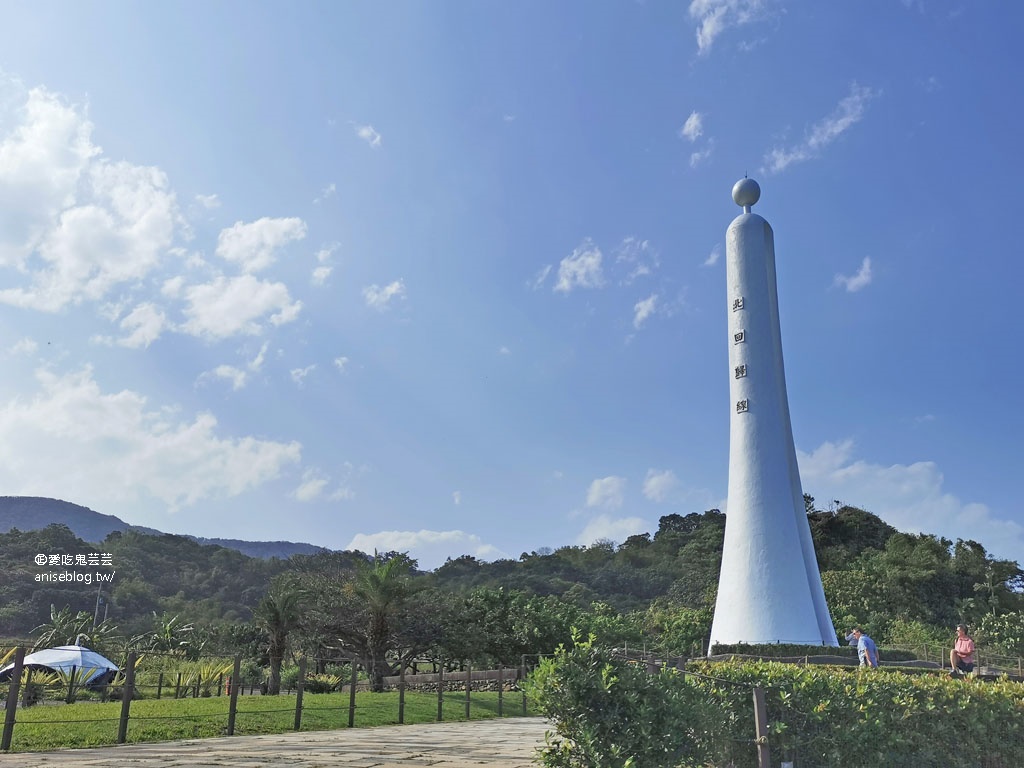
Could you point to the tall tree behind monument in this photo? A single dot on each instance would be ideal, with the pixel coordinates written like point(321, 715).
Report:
point(769, 589)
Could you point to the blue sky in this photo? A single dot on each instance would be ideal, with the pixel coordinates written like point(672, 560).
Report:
point(448, 277)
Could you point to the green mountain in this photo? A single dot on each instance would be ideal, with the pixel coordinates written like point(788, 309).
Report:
point(33, 513)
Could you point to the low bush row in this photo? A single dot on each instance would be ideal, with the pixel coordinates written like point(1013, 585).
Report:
point(789, 650)
point(611, 713)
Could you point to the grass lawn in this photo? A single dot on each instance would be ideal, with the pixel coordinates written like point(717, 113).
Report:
point(93, 724)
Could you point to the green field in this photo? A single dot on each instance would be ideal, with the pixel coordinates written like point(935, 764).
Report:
point(92, 724)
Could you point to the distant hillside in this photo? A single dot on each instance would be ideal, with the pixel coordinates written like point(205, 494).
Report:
point(33, 513)
point(264, 549)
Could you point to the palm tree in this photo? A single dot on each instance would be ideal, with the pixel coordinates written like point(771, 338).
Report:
point(278, 614)
point(384, 587)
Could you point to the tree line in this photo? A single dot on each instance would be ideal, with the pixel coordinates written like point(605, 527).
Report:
point(655, 591)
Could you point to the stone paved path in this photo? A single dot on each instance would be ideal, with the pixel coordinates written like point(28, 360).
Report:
point(505, 743)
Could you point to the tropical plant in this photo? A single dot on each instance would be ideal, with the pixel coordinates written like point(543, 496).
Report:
point(203, 677)
point(67, 628)
point(172, 635)
point(383, 586)
point(33, 684)
point(73, 680)
point(278, 614)
point(323, 683)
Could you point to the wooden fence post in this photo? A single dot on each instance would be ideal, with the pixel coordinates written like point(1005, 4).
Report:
point(469, 686)
point(522, 679)
point(69, 697)
point(159, 685)
point(761, 728)
point(12, 698)
point(352, 697)
point(300, 685)
point(440, 691)
point(501, 686)
point(236, 683)
point(177, 688)
point(401, 693)
point(127, 694)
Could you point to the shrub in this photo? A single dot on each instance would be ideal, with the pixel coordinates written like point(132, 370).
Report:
point(608, 712)
point(832, 716)
point(789, 650)
point(323, 683)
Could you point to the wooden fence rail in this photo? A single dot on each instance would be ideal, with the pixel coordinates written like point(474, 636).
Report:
point(445, 682)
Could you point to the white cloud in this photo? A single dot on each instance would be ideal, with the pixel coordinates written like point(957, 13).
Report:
point(714, 256)
point(236, 376)
point(116, 452)
point(231, 306)
point(849, 112)
point(696, 158)
point(503, 350)
point(429, 548)
point(368, 134)
point(909, 497)
point(715, 16)
point(43, 158)
point(173, 287)
point(341, 363)
point(644, 309)
point(380, 298)
point(327, 192)
point(540, 277)
point(606, 492)
point(606, 528)
point(25, 346)
point(581, 269)
point(299, 374)
point(254, 246)
point(312, 485)
point(144, 325)
point(257, 362)
point(693, 128)
point(660, 485)
point(457, 497)
point(324, 270)
point(117, 237)
point(855, 282)
point(209, 202)
point(638, 256)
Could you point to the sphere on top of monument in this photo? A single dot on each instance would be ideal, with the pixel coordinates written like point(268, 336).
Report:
point(746, 192)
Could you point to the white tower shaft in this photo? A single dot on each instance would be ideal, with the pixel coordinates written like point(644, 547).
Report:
point(770, 589)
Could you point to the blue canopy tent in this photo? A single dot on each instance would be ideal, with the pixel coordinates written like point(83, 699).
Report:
point(96, 669)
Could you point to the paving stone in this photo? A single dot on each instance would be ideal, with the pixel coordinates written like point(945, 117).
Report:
point(505, 743)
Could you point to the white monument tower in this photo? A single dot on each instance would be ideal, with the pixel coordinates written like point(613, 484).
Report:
point(770, 589)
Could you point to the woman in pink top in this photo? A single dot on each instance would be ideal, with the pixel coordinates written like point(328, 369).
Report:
point(961, 658)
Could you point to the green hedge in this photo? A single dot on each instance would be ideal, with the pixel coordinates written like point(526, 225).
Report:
point(789, 650)
point(607, 711)
point(831, 716)
point(611, 713)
